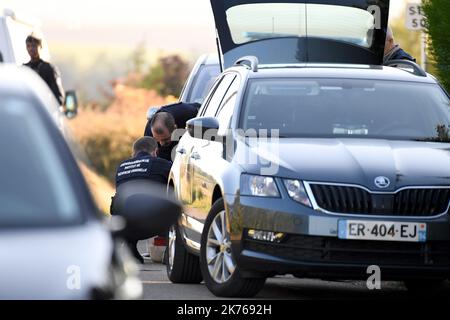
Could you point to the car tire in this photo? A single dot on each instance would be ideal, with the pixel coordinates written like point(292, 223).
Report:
point(184, 268)
point(232, 284)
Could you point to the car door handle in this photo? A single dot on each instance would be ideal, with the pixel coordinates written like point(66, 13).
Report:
point(195, 156)
point(181, 150)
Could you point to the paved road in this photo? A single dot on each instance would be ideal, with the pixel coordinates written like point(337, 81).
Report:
point(158, 286)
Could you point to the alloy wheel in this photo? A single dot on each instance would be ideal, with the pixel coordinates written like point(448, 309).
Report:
point(221, 264)
point(171, 245)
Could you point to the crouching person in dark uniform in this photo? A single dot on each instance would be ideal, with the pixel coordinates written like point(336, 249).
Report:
point(143, 165)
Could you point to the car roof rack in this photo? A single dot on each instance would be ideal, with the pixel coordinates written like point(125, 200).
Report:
point(248, 61)
point(407, 65)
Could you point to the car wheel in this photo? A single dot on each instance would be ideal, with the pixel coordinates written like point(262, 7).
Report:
point(181, 265)
point(220, 272)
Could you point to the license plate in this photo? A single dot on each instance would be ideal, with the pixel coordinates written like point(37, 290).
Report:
point(382, 230)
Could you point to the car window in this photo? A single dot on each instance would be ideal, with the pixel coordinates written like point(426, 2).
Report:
point(257, 21)
point(35, 189)
point(218, 95)
point(202, 82)
point(225, 112)
point(352, 108)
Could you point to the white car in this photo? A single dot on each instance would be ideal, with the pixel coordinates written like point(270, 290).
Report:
point(51, 231)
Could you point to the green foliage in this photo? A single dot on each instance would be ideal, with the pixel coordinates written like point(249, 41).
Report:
point(138, 57)
point(167, 76)
point(154, 79)
point(107, 150)
point(438, 28)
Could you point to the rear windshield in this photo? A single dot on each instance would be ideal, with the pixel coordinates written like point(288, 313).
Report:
point(35, 189)
point(251, 22)
point(347, 108)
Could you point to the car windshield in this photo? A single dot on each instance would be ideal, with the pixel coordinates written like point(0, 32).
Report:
point(350, 108)
point(251, 22)
point(203, 81)
point(35, 189)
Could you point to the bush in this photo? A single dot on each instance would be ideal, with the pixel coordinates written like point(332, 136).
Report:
point(438, 28)
point(107, 150)
point(167, 77)
point(107, 136)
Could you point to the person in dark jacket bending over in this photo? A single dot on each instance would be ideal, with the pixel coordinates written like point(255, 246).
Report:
point(181, 113)
point(143, 165)
point(393, 51)
point(162, 126)
point(45, 70)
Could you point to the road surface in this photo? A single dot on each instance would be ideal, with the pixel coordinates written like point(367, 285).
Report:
point(157, 286)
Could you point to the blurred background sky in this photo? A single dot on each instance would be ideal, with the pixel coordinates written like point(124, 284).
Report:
point(166, 24)
point(169, 24)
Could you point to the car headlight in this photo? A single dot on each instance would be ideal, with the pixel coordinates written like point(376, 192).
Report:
point(259, 186)
point(297, 192)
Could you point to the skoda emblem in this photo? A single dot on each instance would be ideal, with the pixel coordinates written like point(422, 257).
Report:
point(382, 182)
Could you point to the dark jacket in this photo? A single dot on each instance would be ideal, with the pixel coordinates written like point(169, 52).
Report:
point(143, 166)
point(165, 152)
point(397, 53)
point(181, 112)
point(51, 76)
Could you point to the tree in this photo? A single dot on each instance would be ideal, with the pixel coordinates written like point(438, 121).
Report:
point(138, 57)
point(438, 28)
point(167, 76)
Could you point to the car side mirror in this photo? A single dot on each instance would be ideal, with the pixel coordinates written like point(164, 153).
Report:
point(203, 128)
point(70, 104)
point(147, 209)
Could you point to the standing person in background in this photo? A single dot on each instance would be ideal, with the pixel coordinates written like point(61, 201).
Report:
point(393, 51)
point(46, 71)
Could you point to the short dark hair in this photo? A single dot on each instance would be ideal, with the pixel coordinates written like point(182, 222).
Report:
point(33, 39)
point(146, 144)
point(165, 118)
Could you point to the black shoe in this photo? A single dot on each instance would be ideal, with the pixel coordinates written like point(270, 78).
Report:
point(141, 259)
point(135, 251)
point(138, 256)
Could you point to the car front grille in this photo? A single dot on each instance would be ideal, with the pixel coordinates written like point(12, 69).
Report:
point(335, 250)
point(407, 202)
